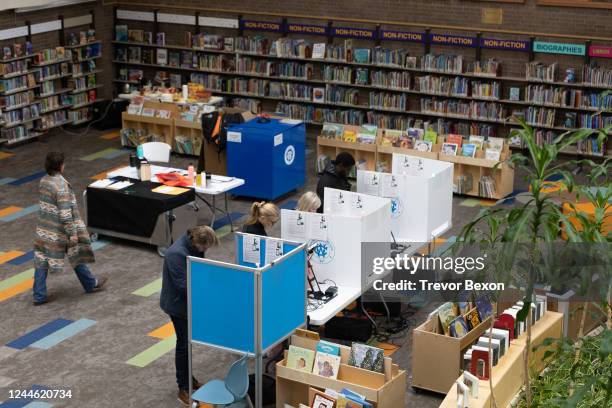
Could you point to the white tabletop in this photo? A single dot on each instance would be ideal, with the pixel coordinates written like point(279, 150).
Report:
point(214, 186)
point(346, 295)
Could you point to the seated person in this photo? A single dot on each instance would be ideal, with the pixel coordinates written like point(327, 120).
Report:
point(335, 176)
point(263, 215)
point(309, 202)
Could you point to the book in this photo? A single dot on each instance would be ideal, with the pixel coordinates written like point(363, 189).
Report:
point(361, 55)
point(431, 136)
point(326, 365)
point(453, 138)
point(332, 131)
point(494, 143)
point(367, 357)
point(446, 314)
point(134, 109)
point(423, 146)
point(472, 318)
point(458, 327)
point(477, 140)
point(485, 309)
point(323, 401)
point(515, 94)
point(349, 136)
point(491, 154)
point(121, 33)
point(163, 114)
point(162, 56)
point(136, 36)
point(468, 150)
point(148, 37)
point(353, 396)
point(318, 95)
point(318, 51)
point(300, 358)
point(449, 149)
point(148, 112)
point(367, 134)
point(343, 402)
point(160, 39)
point(328, 347)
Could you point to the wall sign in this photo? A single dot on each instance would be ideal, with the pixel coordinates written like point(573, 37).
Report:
point(261, 25)
point(349, 32)
point(456, 40)
point(508, 45)
point(491, 16)
point(559, 48)
point(600, 51)
point(307, 29)
point(391, 35)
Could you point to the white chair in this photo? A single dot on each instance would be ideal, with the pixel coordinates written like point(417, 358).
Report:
point(156, 152)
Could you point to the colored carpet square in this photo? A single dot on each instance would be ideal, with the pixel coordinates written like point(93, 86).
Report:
point(17, 289)
point(220, 222)
point(39, 333)
point(487, 203)
point(4, 181)
point(5, 155)
point(9, 210)
point(21, 213)
point(62, 334)
point(470, 202)
point(28, 256)
point(16, 279)
point(110, 135)
point(99, 155)
point(27, 179)
point(149, 289)
point(163, 332)
point(153, 353)
point(117, 153)
point(9, 256)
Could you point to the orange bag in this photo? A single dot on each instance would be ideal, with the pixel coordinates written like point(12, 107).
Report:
point(173, 180)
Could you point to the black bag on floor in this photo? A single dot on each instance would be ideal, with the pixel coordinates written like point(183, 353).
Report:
point(348, 328)
point(268, 389)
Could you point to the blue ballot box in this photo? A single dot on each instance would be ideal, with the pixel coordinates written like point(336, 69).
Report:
point(270, 157)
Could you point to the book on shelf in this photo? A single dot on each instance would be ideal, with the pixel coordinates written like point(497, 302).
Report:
point(148, 37)
point(472, 318)
point(326, 365)
point(430, 136)
point(332, 131)
point(162, 56)
point(469, 150)
point(361, 55)
point(423, 145)
point(367, 134)
point(446, 314)
point(458, 327)
point(136, 36)
point(477, 140)
point(121, 33)
point(318, 51)
point(367, 357)
point(514, 94)
point(160, 39)
point(134, 54)
point(300, 358)
point(492, 154)
point(149, 112)
point(454, 138)
point(449, 149)
point(328, 347)
point(322, 400)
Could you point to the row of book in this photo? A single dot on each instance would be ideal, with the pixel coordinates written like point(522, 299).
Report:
point(387, 100)
point(17, 99)
point(17, 50)
point(471, 109)
point(595, 75)
point(486, 187)
point(16, 116)
point(87, 52)
point(84, 37)
point(273, 68)
point(83, 68)
point(135, 137)
point(14, 134)
point(51, 55)
point(82, 83)
point(52, 71)
point(457, 86)
point(187, 145)
point(541, 72)
point(540, 116)
point(124, 34)
point(14, 67)
point(79, 115)
point(16, 83)
point(55, 101)
point(53, 119)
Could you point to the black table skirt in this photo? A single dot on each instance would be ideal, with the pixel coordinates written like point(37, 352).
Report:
point(133, 210)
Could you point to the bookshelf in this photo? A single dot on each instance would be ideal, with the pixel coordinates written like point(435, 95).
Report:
point(52, 73)
point(388, 87)
point(83, 79)
point(18, 103)
point(187, 137)
point(138, 129)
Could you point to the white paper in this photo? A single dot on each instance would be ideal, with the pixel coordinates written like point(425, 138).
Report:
point(338, 203)
point(291, 121)
point(319, 227)
point(278, 139)
point(119, 185)
point(235, 137)
point(357, 202)
point(389, 185)
point(251, 249)
point(318, 51)
point(274, 250)
point(297, 226)
point(371, 183)
point(101, 183)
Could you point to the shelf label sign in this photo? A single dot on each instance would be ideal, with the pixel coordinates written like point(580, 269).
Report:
point(261, 25)
point(407, 36)
point(559, 48)
point(307, 29)
point(456, 40)
point(600, 51)
point(506, 45)
point(351, 32)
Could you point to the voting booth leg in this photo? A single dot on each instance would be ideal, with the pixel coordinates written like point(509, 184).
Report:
point(258, 343)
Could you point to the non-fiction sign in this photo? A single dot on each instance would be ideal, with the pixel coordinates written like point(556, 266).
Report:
point(559, 48)
point(454, 40)
point(507, 45)
point(351, 32)
point(306, 29)
point(391, 35)
point(261, 25)
point(600, 51)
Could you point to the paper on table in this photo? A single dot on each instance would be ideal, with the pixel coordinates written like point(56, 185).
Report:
point(103, 183)
point(389, 186)
point(169, 190)
point(251, 249)
point(297, 225)
point(119, 185)
point(274, 250)
point(371, 183)
point(319, 227)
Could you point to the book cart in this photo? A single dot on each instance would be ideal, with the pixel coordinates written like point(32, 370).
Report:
point(362, 152)
point(508, 376)
point(383, 390)
point(161, 129)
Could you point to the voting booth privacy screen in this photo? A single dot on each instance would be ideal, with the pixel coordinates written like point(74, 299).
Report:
point(229, 304)
point(421, 193)
point(335, 237)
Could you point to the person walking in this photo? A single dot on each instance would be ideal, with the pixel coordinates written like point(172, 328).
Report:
point(60, 231)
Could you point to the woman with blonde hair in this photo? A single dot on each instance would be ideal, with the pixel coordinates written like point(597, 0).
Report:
point(309, 202)
point(263, 215)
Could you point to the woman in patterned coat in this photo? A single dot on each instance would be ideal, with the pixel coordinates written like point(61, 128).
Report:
point(60, 232)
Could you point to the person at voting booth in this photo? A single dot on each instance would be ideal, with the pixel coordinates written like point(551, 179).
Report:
point(263, 215)
point(335, 176)
point(308, 202)
point(60, 231)
point(173, 299)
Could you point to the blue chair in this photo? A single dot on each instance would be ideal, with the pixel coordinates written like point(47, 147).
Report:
point(233, 391)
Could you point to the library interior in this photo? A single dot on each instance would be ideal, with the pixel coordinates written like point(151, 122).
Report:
point(305, 204)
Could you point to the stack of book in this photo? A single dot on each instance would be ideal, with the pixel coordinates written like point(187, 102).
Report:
point(539, 71)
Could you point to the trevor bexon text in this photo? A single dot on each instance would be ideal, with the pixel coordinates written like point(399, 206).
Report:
point(425, 285)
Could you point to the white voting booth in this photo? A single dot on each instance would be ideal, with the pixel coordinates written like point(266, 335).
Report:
point(336, 235)
point(421, 193)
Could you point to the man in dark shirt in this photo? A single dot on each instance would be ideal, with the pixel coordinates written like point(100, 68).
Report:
point(335, 176)
point(173, 299)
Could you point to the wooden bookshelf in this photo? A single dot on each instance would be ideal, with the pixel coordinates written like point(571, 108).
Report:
point(186, 134)
point(361, 152)
point(383, 390)
point(156, 129)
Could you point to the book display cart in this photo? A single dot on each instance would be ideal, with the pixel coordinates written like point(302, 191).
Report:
point(138, 129)
point(382, 390)
point(382, 84)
